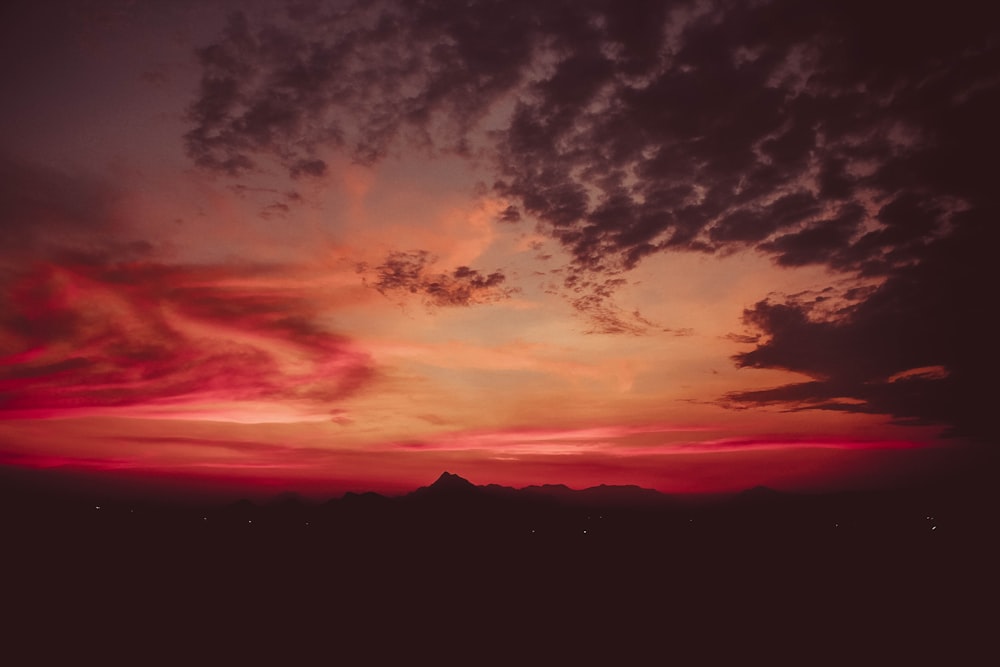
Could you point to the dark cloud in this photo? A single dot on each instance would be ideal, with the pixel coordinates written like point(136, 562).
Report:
point(410, 272)
point(854, 136)
point(757, 223)
point(510, 214)
point(357, 77)
point(818, 241)
point(921, 346)
point(315, 168)
point(699, 126)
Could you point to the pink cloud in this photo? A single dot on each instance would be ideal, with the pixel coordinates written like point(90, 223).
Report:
point(89, 338)
point(628, 441)
point(541, 441)
point(763, 444)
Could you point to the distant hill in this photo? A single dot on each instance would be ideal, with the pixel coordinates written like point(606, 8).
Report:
point(451, 487)
point(37, 499)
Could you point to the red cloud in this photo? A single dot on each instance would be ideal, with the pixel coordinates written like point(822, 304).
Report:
point(766, 444)
point(84, 338)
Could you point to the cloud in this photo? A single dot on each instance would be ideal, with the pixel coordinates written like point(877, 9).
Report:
point(409, 272)
point(510, 214)
point(88, 338)
point(625, 132)
point(625, 441)
point(314, 168)
point(802, 131)
point(544, 441)
point(705, 127)
point(921, 346)
point(603, 317)
point(354, 77)
point(591, 298)
point(762, 444)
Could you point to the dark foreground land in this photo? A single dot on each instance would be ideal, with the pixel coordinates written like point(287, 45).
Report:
point(454, 573)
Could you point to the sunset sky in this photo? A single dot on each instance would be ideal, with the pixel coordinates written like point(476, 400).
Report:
point(329, 245)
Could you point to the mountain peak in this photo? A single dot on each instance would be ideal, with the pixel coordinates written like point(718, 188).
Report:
point(445, 487)
point(449, 481)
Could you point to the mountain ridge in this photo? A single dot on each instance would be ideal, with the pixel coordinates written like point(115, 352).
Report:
point(450, 486)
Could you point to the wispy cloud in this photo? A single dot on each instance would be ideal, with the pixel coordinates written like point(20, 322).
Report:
point(763, 444)
point(412, 273)
point(94, 338)
point(541, 441)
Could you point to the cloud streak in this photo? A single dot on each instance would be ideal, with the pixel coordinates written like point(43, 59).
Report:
point(92, 338)
point(727, 445)
point(640, 444)
point(542, 441)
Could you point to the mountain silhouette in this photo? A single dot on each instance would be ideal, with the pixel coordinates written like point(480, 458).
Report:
point(452, 488)
point(628, 495)
point(445, 488)
point(450, 482)
point(362, 499)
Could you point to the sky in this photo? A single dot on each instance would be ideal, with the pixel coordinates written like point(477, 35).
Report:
point(324, 246)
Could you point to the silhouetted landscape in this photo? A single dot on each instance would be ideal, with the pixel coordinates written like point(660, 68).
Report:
point(621, 567)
